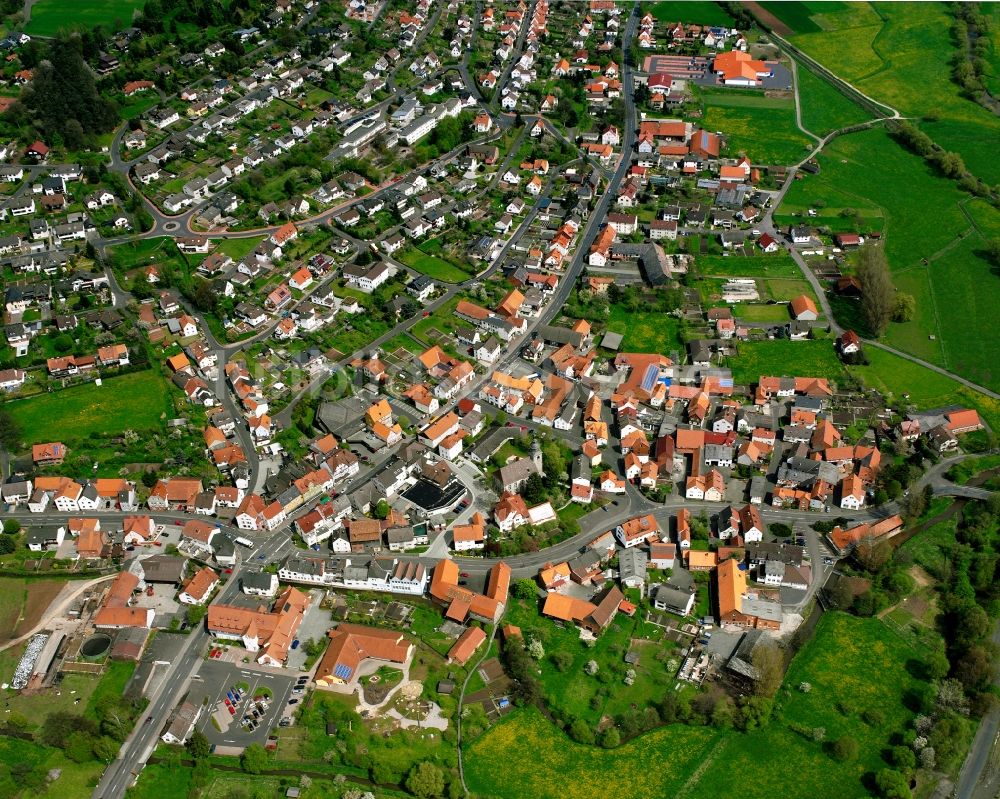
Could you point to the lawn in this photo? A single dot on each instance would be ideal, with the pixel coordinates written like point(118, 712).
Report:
point(142, 252)
point(237, 248)
point(882, 49)
point(785, 358)
point(137, 401)
point(751, 266)
point(162, 782)
point(697, 12)
point(645, 331)
point(48, 17)
point(432, 266)
point(744, 118)
point(931, 548)
point(825, 109)
point(838, 663)
point(753, 312)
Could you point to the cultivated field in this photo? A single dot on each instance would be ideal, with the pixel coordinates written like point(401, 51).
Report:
point(48, 17)
point(698, 12)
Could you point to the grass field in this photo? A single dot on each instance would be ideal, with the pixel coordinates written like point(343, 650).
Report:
point(644, 331)
point(824, 108)
point(763, 128)
point(48, 17)
point(700, 763)
point(883, 50)
point(504, 762)
point(784, 358)
point(752, 266)
point(74, 779)
point(432, 266)
point(942, 265)
point(137, 401)
point(754, 312)
point(697, 12)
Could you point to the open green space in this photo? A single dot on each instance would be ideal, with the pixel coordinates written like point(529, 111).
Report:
point(696, 12)
point(825, 109)
point(506, 762)
point(644, 331)
point(699, 763)
point(574, 692)
point(901, 54)
point(785, 358)
point(943, 265)
point(238, 248)
point(778, 265)
point(755, 312)
point(763, 128)
point(25, 765)
point(48, 17)
point(137, 401)
point(432, 266)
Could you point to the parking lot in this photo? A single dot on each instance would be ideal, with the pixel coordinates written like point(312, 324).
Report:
point(316, 623)
point(216, 680)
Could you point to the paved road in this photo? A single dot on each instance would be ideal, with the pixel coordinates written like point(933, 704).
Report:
point(144, 738)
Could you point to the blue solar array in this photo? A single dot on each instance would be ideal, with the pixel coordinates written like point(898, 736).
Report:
point(343, 672)
point(649, 379)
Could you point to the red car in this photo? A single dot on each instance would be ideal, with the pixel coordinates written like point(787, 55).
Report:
point(228, 571)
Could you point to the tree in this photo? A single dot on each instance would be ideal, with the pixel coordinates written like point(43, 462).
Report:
point(533, 491)
point(105, 749)
point(609, 738)
point(892, 785)
point(425, 779)
point(382, 509)
point(7, 544)
point(78, 747)
point(581, 732)
point(769, 664)
point(10, 431)
point(872, 553)
point(844, 749)
point(11, 526)
point(905, 308)
point(562, 660)
point(254, 759)
point(904, 759)
point(877, 292)
point(62, 100)
point(525, 588)
point(198, 745)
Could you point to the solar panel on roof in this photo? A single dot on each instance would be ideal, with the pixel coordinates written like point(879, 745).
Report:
point(649, 379)
point(343, 672)
point(726, 382)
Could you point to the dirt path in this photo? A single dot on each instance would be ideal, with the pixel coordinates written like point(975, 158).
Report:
point(66, 596)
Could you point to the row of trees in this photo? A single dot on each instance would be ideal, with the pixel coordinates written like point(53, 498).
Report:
point(948, 164)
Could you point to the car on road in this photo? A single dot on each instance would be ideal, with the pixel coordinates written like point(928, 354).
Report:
point(149, 720)
point(295, 644)
point(228, 570)
point(464, 574)
point(293, 701)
